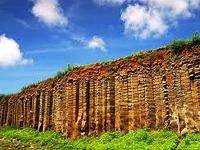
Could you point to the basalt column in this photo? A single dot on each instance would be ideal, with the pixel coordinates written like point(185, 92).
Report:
point(30, 111)
point(78, 112)
point(71, 101)
point(25, 112)
point(135, 102)
point(149, 98)
point(60, 109)
point(124, 113)
point(117, 102)
point(48, 110)
point(195, 96)
point(142, 107)
point(9, 112)
point(104, 104)
point(91, 107)
point(99, 108)
point(41, 110)
point(1, 110)
point(36, 110)
point(112, 103)
point(197, 78)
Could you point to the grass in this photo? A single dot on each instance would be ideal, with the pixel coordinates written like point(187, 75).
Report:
point(2, 95)
point(190, 142)
point(176, 47)
point(140, 140)
point(179, 45)
point(61, 74)
point(5, 95)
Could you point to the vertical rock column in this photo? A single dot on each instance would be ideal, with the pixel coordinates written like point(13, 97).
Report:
point(108, 105)
point(142, 107)
point(78, 118)
point(20, 112)
point(194, 94)
point(124, 113)
point(9, 112)
point(17, 112)
point(41, 110)
point(87, 107)
point(112, 103)
point(30, 112)
point(46, 110)
point(50, 110)
point(157, 85)
point(36, 109)
point(130, 102)
point(1, 111)
point(117, 102)
point(135, 102)
point(165, 87)
point(25, 111)
point(171, 101)
point(197, 78)
point(99, 108)
point(95, 114)
point(71, 108)
point(14, 107)
point(91, 107)
point(185, 86)
point(60, 109)
point(149, 98)
point(104, 104)
point(181, 97)
point(5, 111)
point(176, 92)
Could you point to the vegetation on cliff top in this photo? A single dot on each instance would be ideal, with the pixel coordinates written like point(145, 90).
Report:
point(69, 69)
point(179, 45)
point(176, 47)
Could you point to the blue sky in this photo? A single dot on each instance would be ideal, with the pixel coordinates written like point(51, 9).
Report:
point(40, 37)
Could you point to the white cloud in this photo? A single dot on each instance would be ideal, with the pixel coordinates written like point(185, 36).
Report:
point(174, 7)
point(143, 22)
point(96, 43)
point(10, 54)
point(102, 2)
point(49, 12)
point(154, 17)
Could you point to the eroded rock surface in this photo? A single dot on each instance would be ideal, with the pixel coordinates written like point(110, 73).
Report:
point(131, 93)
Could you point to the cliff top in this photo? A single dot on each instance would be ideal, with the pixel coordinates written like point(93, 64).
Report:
point(135, 62)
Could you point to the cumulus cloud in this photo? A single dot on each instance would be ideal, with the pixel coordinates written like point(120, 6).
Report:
point(174, 7)
point(96, 43)
point(49, 12)
point(10, 54)
point(143, 22)
point(147, 18)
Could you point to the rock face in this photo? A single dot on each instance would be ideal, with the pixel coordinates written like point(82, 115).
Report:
point(131, 93)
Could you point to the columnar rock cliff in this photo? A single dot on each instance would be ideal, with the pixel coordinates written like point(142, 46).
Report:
point(146, 91)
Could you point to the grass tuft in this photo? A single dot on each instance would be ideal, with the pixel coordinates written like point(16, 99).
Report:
point(179, 45)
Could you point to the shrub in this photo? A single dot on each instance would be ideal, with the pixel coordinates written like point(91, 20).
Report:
point(191, 142)
point(179, 45)
point(61, 74)
point(140, 140)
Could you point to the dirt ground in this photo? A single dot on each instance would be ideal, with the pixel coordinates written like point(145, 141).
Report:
point(13, 144)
